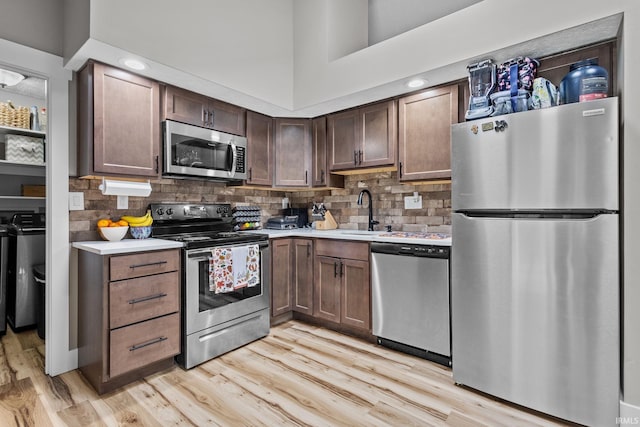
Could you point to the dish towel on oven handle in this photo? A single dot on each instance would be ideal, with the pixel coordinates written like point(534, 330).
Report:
point(246, 266)
point(233, 268)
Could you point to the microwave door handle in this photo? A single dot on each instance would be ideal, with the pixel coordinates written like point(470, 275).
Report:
point(234, 153)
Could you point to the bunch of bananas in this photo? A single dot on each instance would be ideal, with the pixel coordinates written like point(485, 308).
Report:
point(139, 221)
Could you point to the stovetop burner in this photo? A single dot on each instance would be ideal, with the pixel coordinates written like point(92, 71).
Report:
point(198, 225)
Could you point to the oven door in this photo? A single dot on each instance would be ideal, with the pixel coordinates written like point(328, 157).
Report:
point(205, 308)
point(194, 151)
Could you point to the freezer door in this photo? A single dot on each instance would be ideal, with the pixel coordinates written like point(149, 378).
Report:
point(535, 313)
point(556, 158)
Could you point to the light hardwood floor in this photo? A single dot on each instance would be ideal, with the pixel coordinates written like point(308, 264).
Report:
point(298, 375)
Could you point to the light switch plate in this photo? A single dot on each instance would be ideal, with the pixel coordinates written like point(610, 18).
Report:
point(76, 201)
point(413, 202)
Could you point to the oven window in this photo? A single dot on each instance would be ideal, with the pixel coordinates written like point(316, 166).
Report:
point(208, 300)
point(199, 153)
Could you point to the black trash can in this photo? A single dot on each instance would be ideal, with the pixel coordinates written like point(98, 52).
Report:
point(39, 276)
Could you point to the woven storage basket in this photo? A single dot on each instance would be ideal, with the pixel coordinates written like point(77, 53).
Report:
point(14, 116)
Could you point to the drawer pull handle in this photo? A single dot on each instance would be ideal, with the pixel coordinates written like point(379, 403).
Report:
point(148, 343)
point(147, 298)
point(149, 264)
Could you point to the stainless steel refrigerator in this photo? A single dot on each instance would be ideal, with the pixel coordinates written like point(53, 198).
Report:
point(535, 281)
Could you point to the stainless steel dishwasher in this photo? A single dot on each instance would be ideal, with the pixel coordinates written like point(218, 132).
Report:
point(410, 298)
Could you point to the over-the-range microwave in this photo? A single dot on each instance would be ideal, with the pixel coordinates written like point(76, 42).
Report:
point(193, 151)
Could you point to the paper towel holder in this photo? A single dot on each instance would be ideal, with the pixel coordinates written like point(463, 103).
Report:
point(111, 187)
point(124, 189)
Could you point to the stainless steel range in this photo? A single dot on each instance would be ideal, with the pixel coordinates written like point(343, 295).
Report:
point(220, 311)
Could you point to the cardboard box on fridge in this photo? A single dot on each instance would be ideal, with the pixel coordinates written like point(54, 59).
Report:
point(24, 149)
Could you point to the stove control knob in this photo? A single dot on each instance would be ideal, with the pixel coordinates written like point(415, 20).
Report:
point(169, 211)
point(160, 212)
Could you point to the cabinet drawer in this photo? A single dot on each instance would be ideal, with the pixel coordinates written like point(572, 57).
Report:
point(144, 264)
point(143, 343)
point(342, 249)
point(135, 300)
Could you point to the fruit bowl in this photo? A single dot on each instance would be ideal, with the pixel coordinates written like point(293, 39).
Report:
point(113, 234)
point(140, 232)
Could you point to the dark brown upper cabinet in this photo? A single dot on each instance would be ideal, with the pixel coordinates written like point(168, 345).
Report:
point(321, 177)
point(259, 149)
point(188, 107)
point(424, 128)
point(364, 137)
point(118, 122)
point(293, 153)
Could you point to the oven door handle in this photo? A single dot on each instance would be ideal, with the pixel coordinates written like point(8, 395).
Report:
point(202, 255)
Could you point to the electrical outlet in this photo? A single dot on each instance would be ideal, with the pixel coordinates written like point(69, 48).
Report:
point(413, 202)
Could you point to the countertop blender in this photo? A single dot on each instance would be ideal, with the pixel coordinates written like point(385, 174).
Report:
point(482, 81)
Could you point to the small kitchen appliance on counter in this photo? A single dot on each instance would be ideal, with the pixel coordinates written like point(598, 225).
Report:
point(301, 213)
point(282, 222)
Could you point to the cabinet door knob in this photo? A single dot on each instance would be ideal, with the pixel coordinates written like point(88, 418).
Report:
point(306, 173)
point(400, 172)
point(205, 117)
point(355, 157)
point(322, 176)
point(341, 269)
point(359, 157)
point(335, 269)
point(308, 250)
point(211, 117)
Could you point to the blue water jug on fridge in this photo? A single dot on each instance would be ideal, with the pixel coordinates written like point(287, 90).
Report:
point(585, 81)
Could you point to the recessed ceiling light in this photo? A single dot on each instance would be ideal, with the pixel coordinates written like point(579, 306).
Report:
point(134, 64)
point(416, 83)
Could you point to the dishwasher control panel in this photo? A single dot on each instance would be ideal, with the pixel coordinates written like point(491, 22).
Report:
point(430, 251)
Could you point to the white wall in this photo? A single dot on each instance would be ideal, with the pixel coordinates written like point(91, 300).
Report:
point(244, 45)
point(33, 23)
point(390, 18)
point(347, 27)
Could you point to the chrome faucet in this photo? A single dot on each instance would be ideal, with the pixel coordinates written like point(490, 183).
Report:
point(371, 221)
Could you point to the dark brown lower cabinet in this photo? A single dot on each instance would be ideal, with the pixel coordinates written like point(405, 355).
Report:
point(128, 315)
point(342, 287)
point(302, 280)
point(292, 276)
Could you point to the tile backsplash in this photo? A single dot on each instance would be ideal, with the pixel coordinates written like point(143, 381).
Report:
point(388, 202)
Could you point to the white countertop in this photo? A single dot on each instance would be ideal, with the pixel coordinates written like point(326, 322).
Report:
point(103, 247)
point(367, 236)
